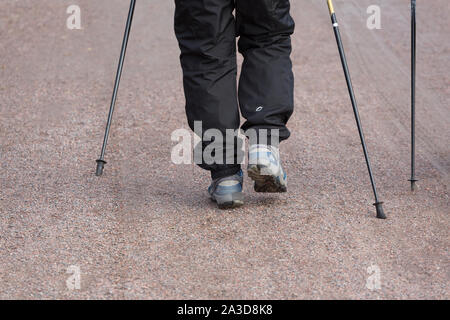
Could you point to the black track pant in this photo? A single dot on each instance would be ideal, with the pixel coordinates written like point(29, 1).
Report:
point(206, 31)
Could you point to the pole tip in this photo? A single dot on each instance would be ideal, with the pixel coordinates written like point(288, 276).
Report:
point(380, 211)
point(413, 184)
point(100, 165)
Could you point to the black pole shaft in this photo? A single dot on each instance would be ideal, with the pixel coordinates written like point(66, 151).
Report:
point(101, 161)
point(413, 95)
point(378, 203)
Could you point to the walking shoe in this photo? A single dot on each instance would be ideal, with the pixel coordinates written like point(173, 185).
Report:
point(227, 192)
point(264, 167)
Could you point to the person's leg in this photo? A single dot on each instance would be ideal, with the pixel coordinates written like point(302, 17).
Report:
point(266, 87)
point(267, 83)
point(206, 33)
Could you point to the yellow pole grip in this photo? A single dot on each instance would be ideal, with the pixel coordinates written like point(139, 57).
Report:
point(330, 6)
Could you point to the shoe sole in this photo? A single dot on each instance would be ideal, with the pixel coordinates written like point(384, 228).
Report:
point(229, 201)
point(230, 205)
point(265, 183)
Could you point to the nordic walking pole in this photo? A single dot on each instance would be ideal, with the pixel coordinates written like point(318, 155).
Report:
point(378, 204)
point(413, 95)
point(101, 161)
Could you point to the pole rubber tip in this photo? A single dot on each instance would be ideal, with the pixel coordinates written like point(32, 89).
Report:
point(100, 165)
point(413, 184)
point(380, 211)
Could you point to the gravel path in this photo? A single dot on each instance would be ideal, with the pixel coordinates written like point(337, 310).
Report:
point(146, 228)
